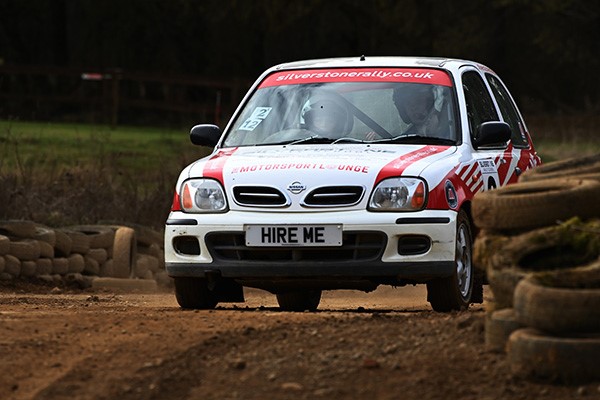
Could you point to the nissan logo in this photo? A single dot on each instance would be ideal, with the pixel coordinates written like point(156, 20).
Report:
point(296, 187)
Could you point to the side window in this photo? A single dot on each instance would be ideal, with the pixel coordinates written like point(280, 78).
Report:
point(480, 107)
point(509, 111)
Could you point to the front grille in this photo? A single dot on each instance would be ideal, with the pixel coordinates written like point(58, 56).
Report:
point(259, 196)
point(357, 246)
point(330, 196)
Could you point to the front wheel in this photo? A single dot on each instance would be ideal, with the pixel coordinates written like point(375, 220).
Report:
point(454, 292)
point(194, 293)
point(299, 300)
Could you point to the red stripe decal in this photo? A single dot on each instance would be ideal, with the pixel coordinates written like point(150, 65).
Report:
point(396, 167)
point(214, 166)
point(503, 167)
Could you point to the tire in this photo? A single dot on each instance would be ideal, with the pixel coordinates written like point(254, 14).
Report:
point(568, 245)
point(529, 205)
point(19, 228)
point(76, 263)
point(25, 249)
point(43, 266)
point(46, 249)
point(80, 242)
point(45, 234)
point(106, 269)
point(454, 292)
point(100, 236)
point(503, 283)
point(583, 277)
point(124, 252)
point(567, 359)
point(12, 265)
point(28, 269)
point(300, 300)
point(557, 310)
point(193, 293)
point(486, 245)
point(62, 247)
point(4, 245)
point(563, 168)
point(99, 254)
point(498, 327)
point(91, 266)
point(60, 265)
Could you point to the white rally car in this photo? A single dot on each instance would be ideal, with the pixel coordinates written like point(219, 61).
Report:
point(346, 174)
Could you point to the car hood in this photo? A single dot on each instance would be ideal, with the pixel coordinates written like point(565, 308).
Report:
point(305, 167)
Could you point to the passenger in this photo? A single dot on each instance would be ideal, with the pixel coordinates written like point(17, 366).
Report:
point(328, 117)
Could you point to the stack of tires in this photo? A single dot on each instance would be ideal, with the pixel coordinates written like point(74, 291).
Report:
point(539, 244)
point(78, 254)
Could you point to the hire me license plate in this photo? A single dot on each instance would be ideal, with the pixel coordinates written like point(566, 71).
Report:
point(294, 235)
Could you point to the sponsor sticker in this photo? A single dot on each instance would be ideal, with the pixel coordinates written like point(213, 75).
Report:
point(487, 166)
point(412, 75)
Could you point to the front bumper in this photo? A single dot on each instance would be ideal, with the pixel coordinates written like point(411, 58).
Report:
point(382, 261)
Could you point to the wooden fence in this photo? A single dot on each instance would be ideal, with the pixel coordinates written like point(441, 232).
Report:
point(114, 96)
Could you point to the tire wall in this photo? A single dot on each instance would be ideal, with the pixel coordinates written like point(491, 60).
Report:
point(539, 243)
point(78, 254)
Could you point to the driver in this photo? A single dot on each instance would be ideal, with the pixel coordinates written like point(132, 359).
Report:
point(418, 106)
point(326, 116)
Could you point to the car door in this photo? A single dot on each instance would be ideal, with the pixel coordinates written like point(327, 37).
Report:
point(523, 152)
point(490, 165)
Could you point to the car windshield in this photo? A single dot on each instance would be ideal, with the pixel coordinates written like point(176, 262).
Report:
point(416, 107)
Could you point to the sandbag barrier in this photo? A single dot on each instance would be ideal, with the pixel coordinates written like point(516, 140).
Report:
point(79, 254)
point(539, 243)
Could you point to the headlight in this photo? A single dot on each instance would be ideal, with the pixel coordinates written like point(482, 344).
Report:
point(202, 195)
point(399, 194)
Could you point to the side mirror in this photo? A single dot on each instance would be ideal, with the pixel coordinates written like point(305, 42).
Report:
point(492, 133)
point(205, 135)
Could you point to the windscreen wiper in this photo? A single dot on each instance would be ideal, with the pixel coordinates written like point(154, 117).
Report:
point(315, 139)
point(350, 140)
point(418, 139)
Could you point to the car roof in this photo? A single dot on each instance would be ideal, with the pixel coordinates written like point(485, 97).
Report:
point(449, 64)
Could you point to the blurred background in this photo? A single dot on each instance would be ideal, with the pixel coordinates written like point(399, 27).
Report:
point(177, 62)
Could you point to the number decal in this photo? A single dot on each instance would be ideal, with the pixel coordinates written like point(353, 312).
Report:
point(258, 115)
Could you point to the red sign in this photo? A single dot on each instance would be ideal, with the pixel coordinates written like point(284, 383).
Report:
point(411, 75)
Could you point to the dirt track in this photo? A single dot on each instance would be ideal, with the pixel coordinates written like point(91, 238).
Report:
point(57, 344)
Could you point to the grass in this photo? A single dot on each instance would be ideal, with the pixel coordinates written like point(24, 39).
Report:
point(55, 147)
point(558, 137)
point(558, 149)
point(65, 174)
